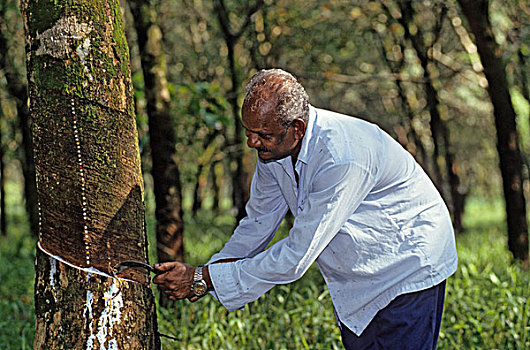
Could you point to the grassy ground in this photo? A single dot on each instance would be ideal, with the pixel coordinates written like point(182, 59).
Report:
point(487, 302)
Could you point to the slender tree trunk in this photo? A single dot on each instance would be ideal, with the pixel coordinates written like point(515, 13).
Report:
point(204, 161)
point(439, 129)
point(166, 177)
point(3, 223)
point(197, 198)
point(435, 122)
point(215, 187)
point(240, 190)
point(90, 188)
point(240, 177)
point(511, 165)
point(18, 89)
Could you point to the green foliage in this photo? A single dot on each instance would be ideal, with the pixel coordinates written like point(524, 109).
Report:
point(201, 127)
point(204, 102)
point(487, 300)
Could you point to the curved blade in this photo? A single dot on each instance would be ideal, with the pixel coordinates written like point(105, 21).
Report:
point(128, 264)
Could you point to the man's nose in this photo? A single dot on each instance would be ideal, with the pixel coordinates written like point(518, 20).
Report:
point(253, 140)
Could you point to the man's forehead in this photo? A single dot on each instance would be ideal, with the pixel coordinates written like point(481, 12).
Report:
point(261, 104)
point(260, 116)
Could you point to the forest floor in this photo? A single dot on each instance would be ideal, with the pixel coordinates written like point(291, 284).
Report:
point(487, 300)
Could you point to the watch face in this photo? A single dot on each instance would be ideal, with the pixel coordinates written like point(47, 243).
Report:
point(200, 288)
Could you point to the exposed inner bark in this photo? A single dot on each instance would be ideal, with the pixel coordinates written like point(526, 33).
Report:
point(111, 311)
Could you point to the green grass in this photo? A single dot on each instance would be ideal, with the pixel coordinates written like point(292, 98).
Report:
point(17, 274)
point(487, 301)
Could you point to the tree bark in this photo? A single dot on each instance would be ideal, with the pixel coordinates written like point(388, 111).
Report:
point(90, 189)
point(511, 165)
point(165, 172)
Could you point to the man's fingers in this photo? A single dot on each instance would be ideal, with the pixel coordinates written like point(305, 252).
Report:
point(174, 279)
point(164, 267)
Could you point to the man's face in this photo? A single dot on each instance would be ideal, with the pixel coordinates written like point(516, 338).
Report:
point(268, 136)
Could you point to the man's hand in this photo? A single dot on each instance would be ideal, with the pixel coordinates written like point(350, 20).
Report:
point(175, 280)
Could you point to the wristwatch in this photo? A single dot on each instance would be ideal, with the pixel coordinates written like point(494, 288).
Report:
point(199, 286)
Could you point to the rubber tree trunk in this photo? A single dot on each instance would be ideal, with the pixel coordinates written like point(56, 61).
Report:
point(90, 189)
point(511, 165)
point(406, 134)
point(165, 172)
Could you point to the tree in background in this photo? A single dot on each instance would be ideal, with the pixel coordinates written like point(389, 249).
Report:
point(3, 223)
point(90, 188)
point(510, 160)
point(240, 178)
point(165, 172)
point(18, 90)
point(449, 186)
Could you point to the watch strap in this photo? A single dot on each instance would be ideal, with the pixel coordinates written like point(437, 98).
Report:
point(197, 275)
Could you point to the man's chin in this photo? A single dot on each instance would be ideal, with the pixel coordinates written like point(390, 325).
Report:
point(266, 157)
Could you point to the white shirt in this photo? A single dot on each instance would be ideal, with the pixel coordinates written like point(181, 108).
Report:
point(364, 210)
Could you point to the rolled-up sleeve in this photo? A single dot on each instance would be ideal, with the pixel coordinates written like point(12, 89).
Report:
point(334, 194)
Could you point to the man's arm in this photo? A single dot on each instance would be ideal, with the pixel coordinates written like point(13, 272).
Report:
point(266, 209)
point(335, 194)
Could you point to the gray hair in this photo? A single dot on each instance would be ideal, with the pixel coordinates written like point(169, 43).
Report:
point(293, 101)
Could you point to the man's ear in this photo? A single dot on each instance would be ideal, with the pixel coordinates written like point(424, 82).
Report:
point(299, 128)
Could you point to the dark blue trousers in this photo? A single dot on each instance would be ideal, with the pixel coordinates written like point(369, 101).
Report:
point(411, 321)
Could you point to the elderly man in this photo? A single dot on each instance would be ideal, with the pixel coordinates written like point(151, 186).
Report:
point(364, 210)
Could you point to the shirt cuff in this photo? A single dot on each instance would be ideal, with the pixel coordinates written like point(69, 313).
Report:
point(225, 286)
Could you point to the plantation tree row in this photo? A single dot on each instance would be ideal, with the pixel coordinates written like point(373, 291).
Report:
point(412, 67)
